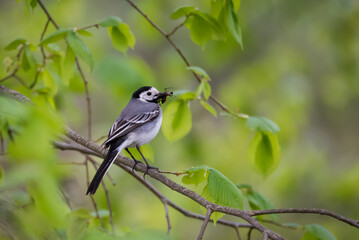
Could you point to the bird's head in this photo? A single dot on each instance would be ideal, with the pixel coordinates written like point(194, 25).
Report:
point(150, 94)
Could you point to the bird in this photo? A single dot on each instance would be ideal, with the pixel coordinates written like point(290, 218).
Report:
point(138, 123)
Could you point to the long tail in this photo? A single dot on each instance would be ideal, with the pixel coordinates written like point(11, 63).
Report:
point(104, 167)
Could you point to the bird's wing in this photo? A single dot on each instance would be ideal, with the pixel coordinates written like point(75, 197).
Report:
point(123, 126)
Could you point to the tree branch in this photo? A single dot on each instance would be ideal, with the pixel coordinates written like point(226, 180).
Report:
point(205, 222)
point(354, 223)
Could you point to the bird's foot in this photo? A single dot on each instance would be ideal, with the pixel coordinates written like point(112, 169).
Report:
point(147, 168)
point(134, 165)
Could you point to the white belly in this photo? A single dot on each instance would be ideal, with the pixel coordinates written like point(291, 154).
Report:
point(144, 134)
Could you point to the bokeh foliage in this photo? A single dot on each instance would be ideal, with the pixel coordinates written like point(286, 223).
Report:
point(299, 67)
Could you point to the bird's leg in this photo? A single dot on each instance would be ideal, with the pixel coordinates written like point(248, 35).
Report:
point(134, 159)
point(148, 166)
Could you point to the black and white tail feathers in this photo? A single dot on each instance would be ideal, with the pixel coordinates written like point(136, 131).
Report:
point(102, 170)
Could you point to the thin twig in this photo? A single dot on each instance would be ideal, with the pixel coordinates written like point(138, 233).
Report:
point(173, 173)
point(176, 28)
point(167, 218)
point(325, 212)
point(88, 100)
point(249, 233)
point(237, 232)
point(87, 27)
point(48, 14)
point(205, 222)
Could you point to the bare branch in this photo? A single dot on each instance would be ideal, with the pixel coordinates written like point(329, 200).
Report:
point(167, 218)
point(176, 28)
point(205, 222)
point(265, 235)
point(237, 232)
point(78, 148)
point(325, 212)
point(87, 27)
point(249, 234)
point(48, 14)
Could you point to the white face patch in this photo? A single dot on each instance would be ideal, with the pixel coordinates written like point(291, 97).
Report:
point(149, 95)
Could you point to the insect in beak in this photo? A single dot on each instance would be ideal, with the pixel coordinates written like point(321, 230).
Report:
point(163, 95)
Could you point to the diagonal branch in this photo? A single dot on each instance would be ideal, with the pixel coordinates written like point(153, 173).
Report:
point(127, 164)
point(354, 223)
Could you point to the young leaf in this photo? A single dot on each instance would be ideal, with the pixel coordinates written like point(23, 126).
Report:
point(118, 39)
point(182, 11)
point(49, 83)
point(55, 36)
point(188, 96)
point(14, 44)
point(177, 120)
point(121, 37)
point(27, 59)
point(209, 108)
point(79, 48)
point(196, 175)
point(229, 18)
point(201, 30)
point(68, 66)
point(112, 21)
point(84, 33)
point(220, 190)
point(206, 90)
point(199, 71)
point(317, 232)
point(264, 153)
point(262, 124)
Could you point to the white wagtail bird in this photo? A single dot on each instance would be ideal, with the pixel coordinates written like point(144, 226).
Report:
point(138, 124)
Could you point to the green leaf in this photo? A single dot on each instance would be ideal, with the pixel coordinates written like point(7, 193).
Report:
point(257, 201)
point(79, 48)
point(201, 30)
point(177, 120)
point(68, 66)
point(55, 36)
point(33, 3)
point(84, 33)
point(49, 83)
point(209, 108)
point(112, 21)
point(182, 11)
point(231, 21)
point(236, 4)
point(220, 190)
point(15, 43)
point(196, 175)
point(206, 90)
point(264, 153)
point(199, 71)
point(317, 232)
point(188, 96)
point(121, 37)
point(262, 124)
point(27, 59)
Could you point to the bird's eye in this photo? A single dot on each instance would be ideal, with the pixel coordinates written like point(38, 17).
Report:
point(149, 93)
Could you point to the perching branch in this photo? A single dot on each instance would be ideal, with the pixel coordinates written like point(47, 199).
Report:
point(127, 164)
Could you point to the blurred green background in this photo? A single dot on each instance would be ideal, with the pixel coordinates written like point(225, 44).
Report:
point(299, 67)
